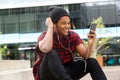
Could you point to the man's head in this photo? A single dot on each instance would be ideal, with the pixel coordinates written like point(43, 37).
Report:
point(61, 19)
point(56, 13)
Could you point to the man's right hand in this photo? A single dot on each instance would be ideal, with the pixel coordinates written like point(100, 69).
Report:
point(49, 22)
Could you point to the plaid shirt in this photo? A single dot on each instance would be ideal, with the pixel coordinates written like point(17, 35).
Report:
point(61, 46)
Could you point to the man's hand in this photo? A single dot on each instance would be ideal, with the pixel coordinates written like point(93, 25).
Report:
point(49, 22)
point(92, 37)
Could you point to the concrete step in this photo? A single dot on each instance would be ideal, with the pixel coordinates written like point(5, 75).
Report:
point(22, 74)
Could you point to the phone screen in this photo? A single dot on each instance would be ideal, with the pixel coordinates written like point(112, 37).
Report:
point(92, 27)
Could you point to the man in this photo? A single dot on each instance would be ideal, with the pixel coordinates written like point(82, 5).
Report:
point(56, 48)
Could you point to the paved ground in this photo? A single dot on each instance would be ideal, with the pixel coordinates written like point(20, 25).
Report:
point(112, 73)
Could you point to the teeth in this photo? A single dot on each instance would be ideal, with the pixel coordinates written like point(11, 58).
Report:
point(65, 30)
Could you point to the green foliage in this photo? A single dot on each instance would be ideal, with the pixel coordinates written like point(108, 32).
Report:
point(101, 42)
point(85, 42)
point(99, 22)
point(3, 49)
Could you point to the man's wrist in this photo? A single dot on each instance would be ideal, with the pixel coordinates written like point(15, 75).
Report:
point(50, 27)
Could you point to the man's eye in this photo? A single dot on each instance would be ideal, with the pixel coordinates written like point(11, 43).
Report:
point(69, 23)
point(63, 22)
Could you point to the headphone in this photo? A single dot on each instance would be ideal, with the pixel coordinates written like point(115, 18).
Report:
point(68, 48)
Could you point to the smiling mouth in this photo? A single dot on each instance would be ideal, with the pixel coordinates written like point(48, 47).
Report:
point(66, 30)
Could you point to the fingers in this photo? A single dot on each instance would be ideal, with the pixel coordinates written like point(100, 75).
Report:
point(49, 22)
point(92, 35)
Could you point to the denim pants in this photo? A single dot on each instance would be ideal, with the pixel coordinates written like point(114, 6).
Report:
point(51, 68)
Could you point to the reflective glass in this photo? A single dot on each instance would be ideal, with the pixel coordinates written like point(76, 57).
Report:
point(11, 24)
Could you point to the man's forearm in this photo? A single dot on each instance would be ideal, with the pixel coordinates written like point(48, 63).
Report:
point(46, 44)
point(89, 49)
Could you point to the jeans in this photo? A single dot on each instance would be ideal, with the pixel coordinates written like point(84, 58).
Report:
point(51, 68)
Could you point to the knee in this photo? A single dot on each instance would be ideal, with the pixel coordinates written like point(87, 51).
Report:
point(92, 61)
point(51, 54)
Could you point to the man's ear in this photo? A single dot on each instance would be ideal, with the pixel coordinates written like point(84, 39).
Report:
point(54, 26)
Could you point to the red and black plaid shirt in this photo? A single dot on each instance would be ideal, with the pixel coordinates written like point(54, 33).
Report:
point(65, 55)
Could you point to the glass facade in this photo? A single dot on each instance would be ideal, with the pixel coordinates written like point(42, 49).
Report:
point(31, 19)
point(27, 20)
point(23, 20)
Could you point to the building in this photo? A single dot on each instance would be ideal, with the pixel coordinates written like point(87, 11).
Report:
point(22, 21)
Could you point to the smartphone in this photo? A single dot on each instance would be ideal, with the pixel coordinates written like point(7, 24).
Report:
point(92, 27)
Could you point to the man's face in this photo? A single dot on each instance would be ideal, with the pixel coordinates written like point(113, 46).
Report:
point(63, 25)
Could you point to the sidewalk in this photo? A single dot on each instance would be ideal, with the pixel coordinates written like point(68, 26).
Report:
point(112, 73)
